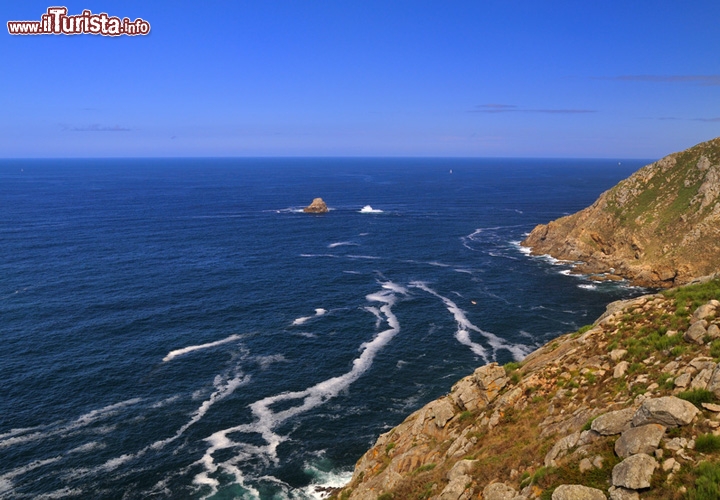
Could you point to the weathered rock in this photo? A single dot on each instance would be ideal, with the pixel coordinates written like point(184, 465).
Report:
point(671, 367)
point(498, 491)
point(617, 354)
point(620, 369)
point(701, 379)
point(585, 465)
point(713, 331)
point(622, 494)
point(634, 472)
point(695, 333)
point(714, 382)
point(480, 388)
point(613, 422)
point(711, 407)
point(704, 311)
point(668, 411)
point(461, 468)
point(577, 492)
point(683, 380)
point(668, 464)
point(456, 489)
point(317, 206)
point(561, 448)
point(643, 439)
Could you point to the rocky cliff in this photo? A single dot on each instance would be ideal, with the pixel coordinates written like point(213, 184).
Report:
point(659, 228)
point(625, 406)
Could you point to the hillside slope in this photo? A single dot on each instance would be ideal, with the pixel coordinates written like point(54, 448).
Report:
point(625, 405)
point(660, 227)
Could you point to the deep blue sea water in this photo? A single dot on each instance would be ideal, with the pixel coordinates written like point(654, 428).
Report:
point(179, 329)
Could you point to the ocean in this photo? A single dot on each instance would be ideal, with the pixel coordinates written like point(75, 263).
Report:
point(178, 328)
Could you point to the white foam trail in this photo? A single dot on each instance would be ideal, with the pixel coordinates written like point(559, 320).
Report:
point(223, 389)
point(343, 244)
point(588, 287)
point(180, 352)
point(369, 257)
point(79, 423)
point(87, 447)
point(367, 209)
point(465, 327)
point(318, 312)
point(267, 420)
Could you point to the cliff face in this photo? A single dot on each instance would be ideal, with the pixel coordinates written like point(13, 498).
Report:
point(602, 411)
point(659, 228)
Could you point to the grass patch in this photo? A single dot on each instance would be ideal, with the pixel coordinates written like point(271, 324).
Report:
point(693, 296)
point(707, 484)
point(389, 448)
point(698, 397)
point(423, 468)
point(466, 415)
point(707, 443)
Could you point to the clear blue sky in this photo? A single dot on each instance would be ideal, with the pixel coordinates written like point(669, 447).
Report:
point(366, 78)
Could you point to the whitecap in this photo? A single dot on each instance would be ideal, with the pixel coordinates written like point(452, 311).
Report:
point(343, 244)
point(367, 209)
point(588, 287)
point(303, 319)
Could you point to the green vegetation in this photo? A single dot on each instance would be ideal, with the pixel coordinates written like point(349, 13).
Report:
point(424, 468)
point(698, 397)
point(707, 443)
point(689, 298)
point(389, 448)
point(707, 484)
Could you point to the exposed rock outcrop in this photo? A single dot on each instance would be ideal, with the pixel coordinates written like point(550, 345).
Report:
point(317, 206)
point(660, 227)
point(559, 424)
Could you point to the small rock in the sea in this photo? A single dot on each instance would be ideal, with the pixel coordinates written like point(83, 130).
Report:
point(317, 206)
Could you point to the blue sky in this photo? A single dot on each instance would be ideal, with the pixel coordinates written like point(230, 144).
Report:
point(366, 78)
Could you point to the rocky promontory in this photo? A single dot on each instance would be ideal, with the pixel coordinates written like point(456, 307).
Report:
point(624, 408)
point(317, 206)
point(658, 228)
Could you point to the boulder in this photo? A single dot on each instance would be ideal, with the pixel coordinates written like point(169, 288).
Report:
point(714, 382)
point(635, 472)
point(498, 491)
point(617, 354)
point(643, 439)
point(704, 311)
point(622, 494)
point(620, 369)
point(713, 331)
point(577, 492)
point(455, 489)
point(695, 333)
point(561, 448)
point(461, 468)
point(668, 411)
point(317, 206)
point(701, 379)
point(613, 422)
point(477, 390)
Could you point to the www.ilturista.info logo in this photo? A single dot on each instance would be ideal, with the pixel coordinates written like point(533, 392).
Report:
point(56, 22)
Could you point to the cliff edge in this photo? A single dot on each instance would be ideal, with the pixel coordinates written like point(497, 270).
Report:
point(659, 228)
point(622, 407)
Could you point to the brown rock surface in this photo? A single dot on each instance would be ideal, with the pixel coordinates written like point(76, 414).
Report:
point(660, 227)
point(317, 206)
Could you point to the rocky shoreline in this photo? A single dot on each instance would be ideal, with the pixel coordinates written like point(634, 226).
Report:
point(624, 407)
point(658, 228)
